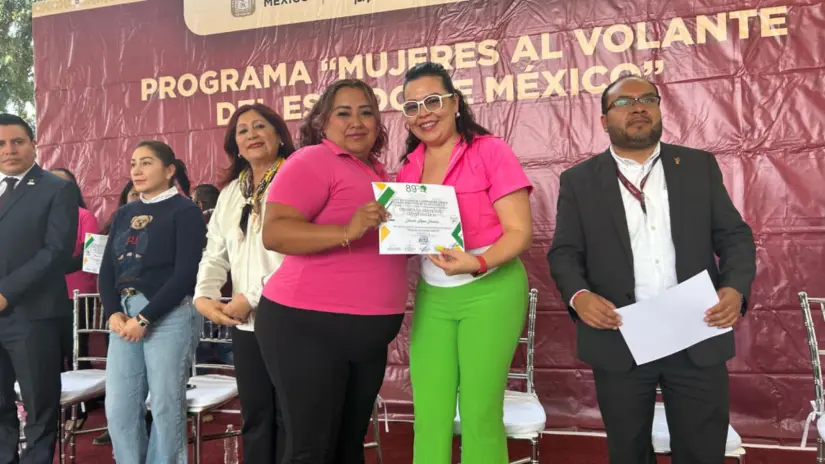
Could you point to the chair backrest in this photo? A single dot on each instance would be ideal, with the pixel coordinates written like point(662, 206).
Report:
point(805, 302)
point(213, 333)
point(89, 318)
point(530, 343)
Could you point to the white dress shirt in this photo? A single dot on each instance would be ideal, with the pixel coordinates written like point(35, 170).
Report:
point(651, 242)
point(654, 256)
point(228, 252)
point(19, 178)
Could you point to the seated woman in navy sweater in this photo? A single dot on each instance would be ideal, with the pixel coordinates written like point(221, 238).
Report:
point(146, 282)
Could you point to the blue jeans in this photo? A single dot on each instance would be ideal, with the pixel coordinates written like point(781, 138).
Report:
point(158, 365)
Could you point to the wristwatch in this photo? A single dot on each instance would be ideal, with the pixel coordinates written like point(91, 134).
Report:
point(142, 322)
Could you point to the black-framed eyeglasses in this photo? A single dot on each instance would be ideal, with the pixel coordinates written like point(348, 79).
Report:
point(627, 102)
point(431, 103)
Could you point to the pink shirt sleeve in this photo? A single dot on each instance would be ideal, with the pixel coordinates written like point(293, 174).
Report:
point(299, 184)
point(504, 171)
point(88, 223)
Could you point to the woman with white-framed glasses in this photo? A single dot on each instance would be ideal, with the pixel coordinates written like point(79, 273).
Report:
point(430, 104)
point(470, 305)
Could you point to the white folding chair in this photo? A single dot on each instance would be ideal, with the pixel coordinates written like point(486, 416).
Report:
point(80, 385)
point(376, 433)
point(818, 404)
point(210, 391)
point(661, 435)
point(524, 416)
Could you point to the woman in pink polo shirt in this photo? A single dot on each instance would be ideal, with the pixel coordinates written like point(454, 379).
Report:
point(329, 311)
point(470, 305)
point(76, 279)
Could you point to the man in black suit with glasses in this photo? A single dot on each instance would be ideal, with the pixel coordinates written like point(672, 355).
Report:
point(632, 222)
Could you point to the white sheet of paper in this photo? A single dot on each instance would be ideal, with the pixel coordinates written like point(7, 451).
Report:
point(93, 247)
point(670, 322)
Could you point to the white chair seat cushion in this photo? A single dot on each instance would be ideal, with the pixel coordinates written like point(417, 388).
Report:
point(820, 427)
point(524, 416)
point(661, 434)
point(210, 391)
point(77, 386)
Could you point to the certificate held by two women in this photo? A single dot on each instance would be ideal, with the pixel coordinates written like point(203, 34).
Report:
point(423, 219)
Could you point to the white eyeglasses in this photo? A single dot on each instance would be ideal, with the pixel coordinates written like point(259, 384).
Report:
point(431, 103)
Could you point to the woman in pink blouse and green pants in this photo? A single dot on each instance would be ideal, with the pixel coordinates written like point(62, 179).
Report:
point(470, 305)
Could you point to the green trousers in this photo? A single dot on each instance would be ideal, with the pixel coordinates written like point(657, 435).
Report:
point(463, 338)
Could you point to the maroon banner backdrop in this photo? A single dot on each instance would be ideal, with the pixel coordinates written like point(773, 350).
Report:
point(742, 79)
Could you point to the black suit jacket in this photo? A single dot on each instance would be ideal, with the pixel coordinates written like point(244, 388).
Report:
point(38, 226)
point(591, 246)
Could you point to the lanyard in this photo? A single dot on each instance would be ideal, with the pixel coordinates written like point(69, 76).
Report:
point(637, 192)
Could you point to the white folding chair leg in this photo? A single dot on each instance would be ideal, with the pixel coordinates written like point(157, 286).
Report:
point(820, 450)
point(72, 437)
point(196, 445)
point(61, 436)
point(376, 430)
point(534, 453)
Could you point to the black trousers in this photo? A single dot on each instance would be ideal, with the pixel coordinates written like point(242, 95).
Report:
point(327, 369)
point(263, 432)
point(30, 353)
point(696, 401)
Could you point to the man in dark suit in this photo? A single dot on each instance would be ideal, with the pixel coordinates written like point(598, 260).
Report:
point(38, 228)
point(631, 222)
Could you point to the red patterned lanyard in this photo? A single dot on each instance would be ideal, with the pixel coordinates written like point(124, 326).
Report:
point(638, 193)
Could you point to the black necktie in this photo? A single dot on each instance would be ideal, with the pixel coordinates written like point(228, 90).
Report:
point(10, 183)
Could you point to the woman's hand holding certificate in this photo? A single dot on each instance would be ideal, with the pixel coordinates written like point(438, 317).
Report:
point(456, 262)
point(423, 219)
point(368, 216)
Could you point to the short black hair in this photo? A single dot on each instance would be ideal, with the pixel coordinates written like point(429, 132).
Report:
point(7, 119)
point(207, 195)
point(618, 81)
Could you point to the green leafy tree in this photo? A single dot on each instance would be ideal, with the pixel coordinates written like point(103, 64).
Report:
point(16, 58)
